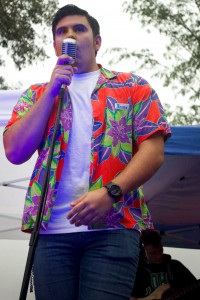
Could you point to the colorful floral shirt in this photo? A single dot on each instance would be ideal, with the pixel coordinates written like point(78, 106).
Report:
point(126, 111)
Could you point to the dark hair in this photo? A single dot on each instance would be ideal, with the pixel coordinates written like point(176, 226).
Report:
point(69, 10)
point(151, 237)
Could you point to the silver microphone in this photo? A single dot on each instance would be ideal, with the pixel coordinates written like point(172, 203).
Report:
point(69, 48)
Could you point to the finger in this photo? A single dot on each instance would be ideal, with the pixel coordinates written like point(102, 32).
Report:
point(64, 69)
point(61, 79)
point(91, 219)
point(86, 218)
point(65, 60)
point(84, 212)
point(80, 199)
point(81, 215)
point(75, 210)
point(86, 221)
point(95, 219)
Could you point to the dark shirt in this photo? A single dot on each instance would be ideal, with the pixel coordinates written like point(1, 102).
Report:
point(151, 276)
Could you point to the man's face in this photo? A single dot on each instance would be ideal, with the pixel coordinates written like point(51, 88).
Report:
point(77, 27)
point(154, 254)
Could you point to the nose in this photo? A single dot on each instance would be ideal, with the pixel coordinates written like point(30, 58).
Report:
point(71, 34)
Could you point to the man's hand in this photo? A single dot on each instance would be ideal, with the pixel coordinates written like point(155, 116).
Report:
point(62, 74)
point(90, 208)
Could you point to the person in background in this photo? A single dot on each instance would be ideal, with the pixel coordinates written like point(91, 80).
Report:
point(159, 276)
point(110, 140)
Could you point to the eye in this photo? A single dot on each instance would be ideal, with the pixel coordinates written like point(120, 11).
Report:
point(80, 28)
point(61, 30)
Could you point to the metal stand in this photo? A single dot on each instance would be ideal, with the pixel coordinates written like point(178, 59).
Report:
point(35, 232)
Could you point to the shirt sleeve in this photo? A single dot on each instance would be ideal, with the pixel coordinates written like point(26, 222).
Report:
point(23, 105)
point(25, 102)
point(149, 115)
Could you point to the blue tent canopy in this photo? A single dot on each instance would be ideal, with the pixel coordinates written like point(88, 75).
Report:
point(173, 193)
point(184, 140)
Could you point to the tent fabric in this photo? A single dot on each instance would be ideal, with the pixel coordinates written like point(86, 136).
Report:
point(172, 194)
point(8, 99)
point(184, 140)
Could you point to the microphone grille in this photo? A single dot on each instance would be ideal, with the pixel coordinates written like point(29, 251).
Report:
point(69, 47)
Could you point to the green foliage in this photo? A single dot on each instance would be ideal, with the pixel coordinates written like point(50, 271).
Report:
point(179, 117)
point(23, 30)
point(179, 22)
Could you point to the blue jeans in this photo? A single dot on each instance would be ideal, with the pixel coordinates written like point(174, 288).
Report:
point(97, 265)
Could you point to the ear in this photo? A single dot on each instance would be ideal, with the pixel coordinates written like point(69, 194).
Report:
point(55, 48)
point(97, 42)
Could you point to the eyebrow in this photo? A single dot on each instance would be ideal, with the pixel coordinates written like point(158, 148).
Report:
point(73, 26)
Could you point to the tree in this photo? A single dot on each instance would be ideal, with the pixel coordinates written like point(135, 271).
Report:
point(23, 31)
point(179, 21)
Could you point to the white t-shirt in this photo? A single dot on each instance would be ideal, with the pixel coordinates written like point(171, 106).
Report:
point(75, 175)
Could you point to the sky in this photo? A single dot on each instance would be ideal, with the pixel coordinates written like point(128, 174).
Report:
point(117, 30)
